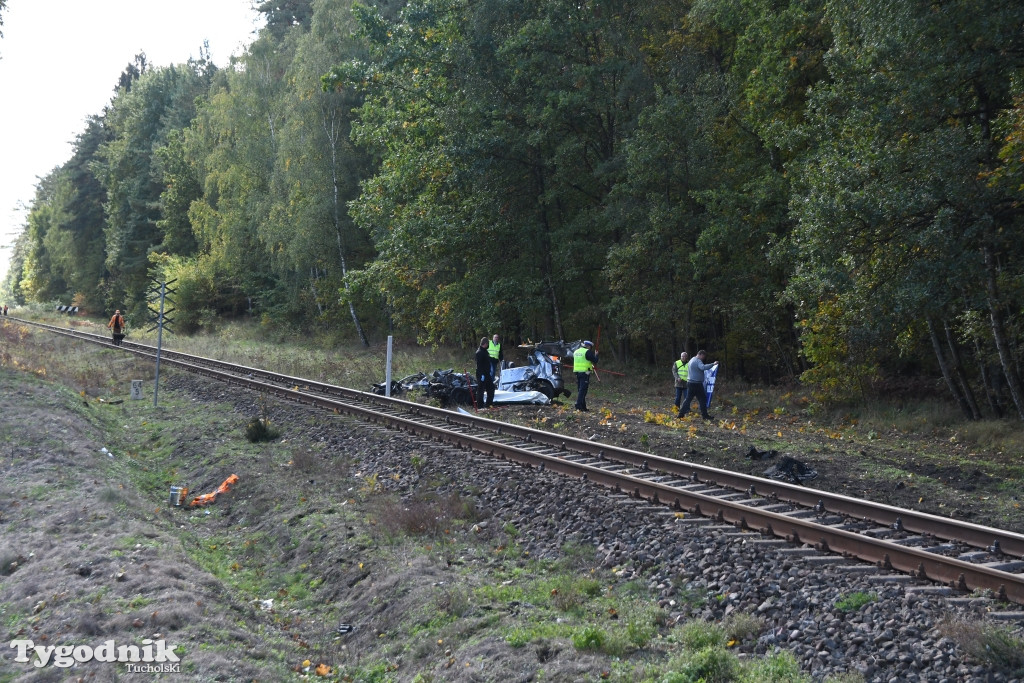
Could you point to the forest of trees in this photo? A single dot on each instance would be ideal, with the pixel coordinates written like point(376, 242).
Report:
point(823, 189)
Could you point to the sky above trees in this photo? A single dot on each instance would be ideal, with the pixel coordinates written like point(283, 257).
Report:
point(60, 61)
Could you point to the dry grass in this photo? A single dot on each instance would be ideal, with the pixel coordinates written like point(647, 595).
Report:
point(10, 560)
point(453, 601)
point(426, 516)
point(986, 643)
point(351, 366)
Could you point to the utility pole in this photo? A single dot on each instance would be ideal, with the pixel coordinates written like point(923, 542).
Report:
point(158, 299)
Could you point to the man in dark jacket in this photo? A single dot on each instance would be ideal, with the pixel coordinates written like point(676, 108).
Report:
point(485, 374)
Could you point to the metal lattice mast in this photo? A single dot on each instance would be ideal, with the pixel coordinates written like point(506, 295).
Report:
point(160, 318)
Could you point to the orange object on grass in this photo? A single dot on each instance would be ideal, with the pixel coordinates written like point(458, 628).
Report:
point(208, 498)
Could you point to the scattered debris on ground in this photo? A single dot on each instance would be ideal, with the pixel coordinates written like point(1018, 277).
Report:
point(791, 469)
point(755, 454)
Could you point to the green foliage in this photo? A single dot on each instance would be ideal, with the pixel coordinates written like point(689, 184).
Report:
point(570, 592)
point(781, 667)
point(589, 638)
point(709, 664)
point(841, 369)
point(142, 119)
point(854, 601)
point(641, 629)
point(258, 430)
point(795, 185)
point(196, 295)
point(890, 189)
point(182, 188)
point(308, 227)
point(698, 635)
point(377, 672)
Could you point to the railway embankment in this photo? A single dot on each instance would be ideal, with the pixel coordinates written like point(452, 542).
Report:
point(373, 555)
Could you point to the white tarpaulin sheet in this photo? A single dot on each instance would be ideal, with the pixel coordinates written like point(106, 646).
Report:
point(529, 397)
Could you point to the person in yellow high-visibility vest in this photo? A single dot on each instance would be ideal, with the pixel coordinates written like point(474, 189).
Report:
point(583, 360)
point(679, 374)
point(496, 354)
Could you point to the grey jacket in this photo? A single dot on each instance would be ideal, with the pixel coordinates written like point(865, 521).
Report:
point(696, 370)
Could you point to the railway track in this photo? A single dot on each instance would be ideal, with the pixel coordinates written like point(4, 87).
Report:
point(960, 555)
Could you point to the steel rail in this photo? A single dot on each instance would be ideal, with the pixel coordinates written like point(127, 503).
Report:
point(921, 563)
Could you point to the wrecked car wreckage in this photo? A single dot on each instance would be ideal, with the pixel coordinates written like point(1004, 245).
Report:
point(446, 385)
point(537, 382)
point(542, 372)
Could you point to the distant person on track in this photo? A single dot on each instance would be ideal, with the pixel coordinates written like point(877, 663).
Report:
point(583, 361)
point(116, 326)
point(5, 309)
point(485, 373)
point(679, 374)
point(695, 385)
point(497, 355)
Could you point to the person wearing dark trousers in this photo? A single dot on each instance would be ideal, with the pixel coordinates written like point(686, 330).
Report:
point(679, 375)
point(116, 326)
point(496, 353)
point(583, 361)
point(695, 385)
point(485, 374)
